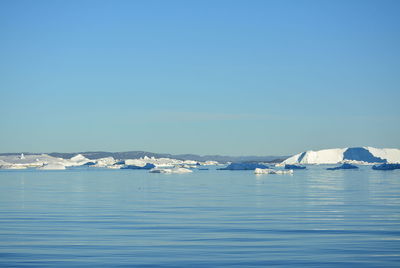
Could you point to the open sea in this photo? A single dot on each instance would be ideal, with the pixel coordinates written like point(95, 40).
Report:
point(88, 217)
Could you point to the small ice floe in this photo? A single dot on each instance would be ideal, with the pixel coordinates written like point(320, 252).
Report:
point(386, 167)
point(272, 171)
point(344, 166)
point(170, 170)
point(52, 166)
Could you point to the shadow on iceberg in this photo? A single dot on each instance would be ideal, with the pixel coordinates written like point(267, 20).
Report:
point(244, 166)
point(294, 167)
point(344, 166)
point(361, 154)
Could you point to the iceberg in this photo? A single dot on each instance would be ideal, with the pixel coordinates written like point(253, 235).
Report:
point(147, 166)
point(28, 161)
point(360, 155)
point(244, 166)
point(52, 166)
point(77, 160)
point(170, 170)
point(386, 167)
point(272, 171)
point(104, 162)
point(12, 166)
point(344, 166)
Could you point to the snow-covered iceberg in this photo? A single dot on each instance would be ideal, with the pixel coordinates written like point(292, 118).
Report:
point(359, 155)
point(244, 166)
point(52, 166)
point(104, 162)
point(28, 161)
point(77, 160)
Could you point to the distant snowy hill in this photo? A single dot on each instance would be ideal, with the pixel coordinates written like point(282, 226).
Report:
point(362, 155)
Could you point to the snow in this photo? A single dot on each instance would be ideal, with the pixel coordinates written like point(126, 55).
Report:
point(77, 160)
point(170, 170)
point(272, 171)
point(135, 162)
point(363, 155)
point(28, 161)
point(104, 162)
point(329, 156)
point(391, 155)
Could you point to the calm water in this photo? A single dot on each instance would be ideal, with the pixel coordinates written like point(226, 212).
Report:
point(93, 217)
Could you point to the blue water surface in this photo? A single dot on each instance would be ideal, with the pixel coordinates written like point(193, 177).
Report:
point(90, 217)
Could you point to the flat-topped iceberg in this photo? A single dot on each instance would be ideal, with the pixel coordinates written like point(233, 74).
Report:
point(244, 166)
point(359, 155)
point(272, 171)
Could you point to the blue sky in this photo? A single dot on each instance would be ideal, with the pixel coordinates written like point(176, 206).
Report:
point(206, 77)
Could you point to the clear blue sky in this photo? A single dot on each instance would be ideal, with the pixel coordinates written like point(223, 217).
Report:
point(207, 77)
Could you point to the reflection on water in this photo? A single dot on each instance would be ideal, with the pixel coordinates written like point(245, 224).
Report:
point(204, 219)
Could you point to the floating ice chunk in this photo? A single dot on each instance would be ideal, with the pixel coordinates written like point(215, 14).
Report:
point(170, 170)
point(272, 171)
point(386, 167)
point(294, 167)
point(146, 166)
point(344, 166)
point(244, 166)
